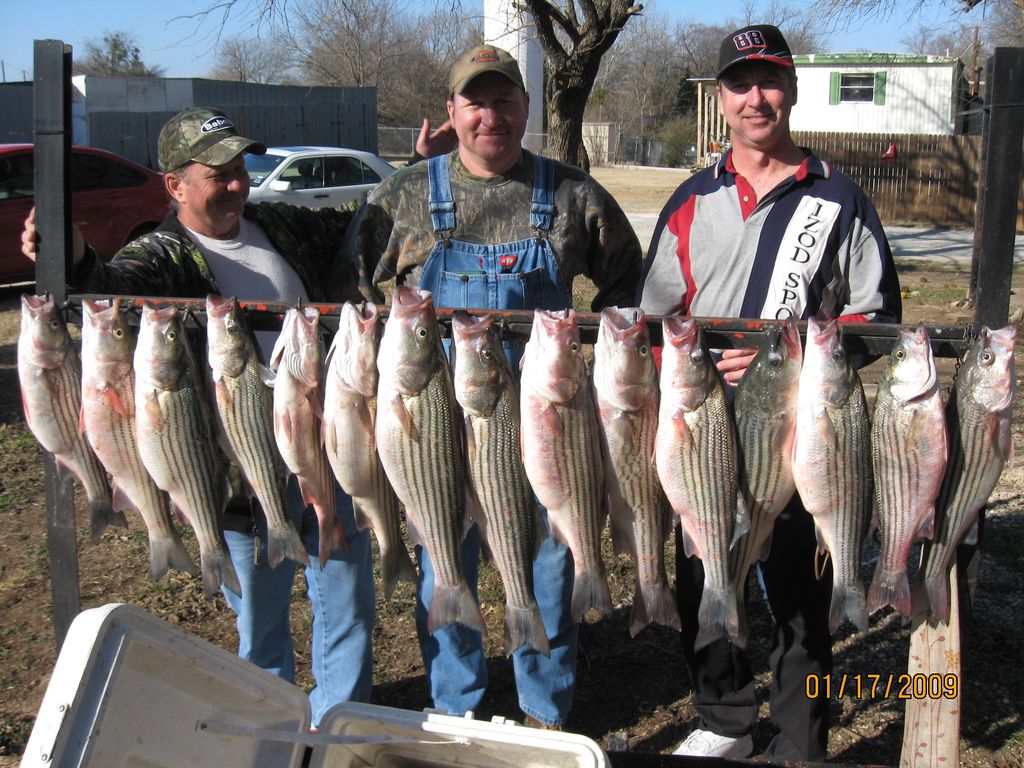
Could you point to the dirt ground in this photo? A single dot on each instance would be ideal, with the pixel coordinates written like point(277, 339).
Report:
point(631, 693)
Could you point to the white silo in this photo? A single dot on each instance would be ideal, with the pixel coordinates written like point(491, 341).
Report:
point(512, 29)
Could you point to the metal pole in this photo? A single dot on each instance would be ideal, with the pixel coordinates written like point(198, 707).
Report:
point(52, 139)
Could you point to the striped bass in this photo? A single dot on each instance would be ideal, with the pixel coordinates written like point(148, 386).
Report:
point(298, 412)
point(765, 410)
point(50, 374)
point(243, 407)
point(562, 450)
point(978, 419)
point(419, 439)
point(908, 456)
point(832, 464)
point(505, 510)
point(350, 413)
point(174, 428)
point(108, 413)
point(626, 388)
point(698, 463)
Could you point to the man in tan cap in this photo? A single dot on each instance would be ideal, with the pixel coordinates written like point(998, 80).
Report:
point(490, 225)
point(213, 241)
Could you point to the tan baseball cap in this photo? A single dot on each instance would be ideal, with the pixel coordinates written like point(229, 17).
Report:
point(480, 59)
point(202, 135)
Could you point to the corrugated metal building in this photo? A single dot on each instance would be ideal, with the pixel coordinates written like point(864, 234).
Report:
point(125, 114)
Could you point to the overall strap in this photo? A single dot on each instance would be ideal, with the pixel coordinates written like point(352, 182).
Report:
point(442, 205)
point(542, 209)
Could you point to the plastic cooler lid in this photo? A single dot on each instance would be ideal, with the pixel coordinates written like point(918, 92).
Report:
point(132, 690)
point(430, 740)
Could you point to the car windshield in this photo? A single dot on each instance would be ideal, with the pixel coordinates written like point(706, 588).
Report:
point(260, 166)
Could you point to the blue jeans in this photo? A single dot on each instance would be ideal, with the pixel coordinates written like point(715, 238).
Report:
point(342, 597)
point(454, 658)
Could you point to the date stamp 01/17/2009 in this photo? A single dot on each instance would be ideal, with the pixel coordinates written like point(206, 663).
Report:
point(882, 686)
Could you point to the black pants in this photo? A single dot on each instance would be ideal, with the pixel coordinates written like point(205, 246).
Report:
point(723, 682)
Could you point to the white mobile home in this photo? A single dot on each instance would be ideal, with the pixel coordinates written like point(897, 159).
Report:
point(891, 93)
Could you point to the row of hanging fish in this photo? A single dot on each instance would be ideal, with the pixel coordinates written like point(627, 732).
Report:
point(452, 444)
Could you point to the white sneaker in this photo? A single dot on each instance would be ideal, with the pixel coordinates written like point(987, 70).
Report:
point(703, 743)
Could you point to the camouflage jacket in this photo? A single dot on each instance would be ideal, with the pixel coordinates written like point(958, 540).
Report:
point(166, 262)
point(392, 235)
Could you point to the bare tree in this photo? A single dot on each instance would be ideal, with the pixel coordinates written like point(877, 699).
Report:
point(114, 54)
point(252, 60)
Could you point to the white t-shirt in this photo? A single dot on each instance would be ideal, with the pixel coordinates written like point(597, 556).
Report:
point(250, 268)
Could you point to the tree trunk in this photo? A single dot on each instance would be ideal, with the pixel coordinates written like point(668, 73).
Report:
point(567, 100)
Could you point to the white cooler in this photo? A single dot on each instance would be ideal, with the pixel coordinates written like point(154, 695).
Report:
point(130, 690)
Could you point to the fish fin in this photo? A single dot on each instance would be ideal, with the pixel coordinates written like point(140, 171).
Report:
point(103, 514)
point(659, 606)
point(590, 590)
point(166, 552)
point(267, 376)
point(470, 438)
point(154, 416)
point(926, 526)
point(415, 537)
point(524, 626)
point(638, 618)
point(889, 587)
point(395, 566)
point(113, 400)
point(716, 616)
point(620, 424)
point(404, 418)
point(937, 587)
point(765, 548)
point(847, 602)
point(217, 569)
point(120, 500)
point(285, 543)
point(690, 544)
point(741, 525)
point(552, 422)
point(682, 431)
point(971, 537)
point(454, 604)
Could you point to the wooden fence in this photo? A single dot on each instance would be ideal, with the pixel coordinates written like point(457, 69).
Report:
point(931, 180)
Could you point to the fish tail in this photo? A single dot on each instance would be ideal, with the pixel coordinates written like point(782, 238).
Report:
point(331, 536)
point(454, 604)
point(847, 602)
point(717, 616)
point(285, 542)
point(524, 626)
point(102, 514)
point(590, 591)
point(653, 603)
point(166, 552)
point(395, 566)
point(889, 587)
point(218, 569)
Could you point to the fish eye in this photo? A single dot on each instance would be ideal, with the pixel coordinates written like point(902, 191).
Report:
point(987, 357)
point(574, 346)
point(421, 332)
point(54, 325)
point(899, 354)
point(118, 333)
point(172, 335)
point(487, 354)
point(644, 350)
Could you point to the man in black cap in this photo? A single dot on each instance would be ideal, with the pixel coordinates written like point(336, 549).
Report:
point(770, 231)
point(213, 241)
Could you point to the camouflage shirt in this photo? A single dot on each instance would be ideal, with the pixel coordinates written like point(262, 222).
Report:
point(392, 234)
point(166, 262)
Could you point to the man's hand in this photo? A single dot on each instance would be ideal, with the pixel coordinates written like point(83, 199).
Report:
point(30, 240)
point(439, 142)
point(734, 364)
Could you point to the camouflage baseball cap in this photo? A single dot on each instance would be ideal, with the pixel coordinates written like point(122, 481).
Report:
point(478, 60)
point(203, 135)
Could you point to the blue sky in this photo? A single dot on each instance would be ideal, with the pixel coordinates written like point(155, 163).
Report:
point(185, 47)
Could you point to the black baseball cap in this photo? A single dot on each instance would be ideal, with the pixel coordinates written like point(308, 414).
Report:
point(758, 42)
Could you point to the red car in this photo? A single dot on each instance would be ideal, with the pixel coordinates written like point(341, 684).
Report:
point(113, 201)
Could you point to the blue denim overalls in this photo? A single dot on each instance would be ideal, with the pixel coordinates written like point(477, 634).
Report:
point(521, 275)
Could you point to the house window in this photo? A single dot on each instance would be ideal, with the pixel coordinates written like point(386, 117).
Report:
point(854, 88)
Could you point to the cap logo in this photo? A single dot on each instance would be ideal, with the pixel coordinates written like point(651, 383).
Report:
point(218, 123)
point(752, 38)
point(485, 57)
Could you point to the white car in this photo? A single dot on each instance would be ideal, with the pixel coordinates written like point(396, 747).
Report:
point(314, 177)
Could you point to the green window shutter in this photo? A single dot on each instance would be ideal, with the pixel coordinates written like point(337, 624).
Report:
point(833, 88)
point(879, 88)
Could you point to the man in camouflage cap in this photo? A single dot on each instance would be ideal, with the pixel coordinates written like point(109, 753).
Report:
point(491, 225)
point(213, 241)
